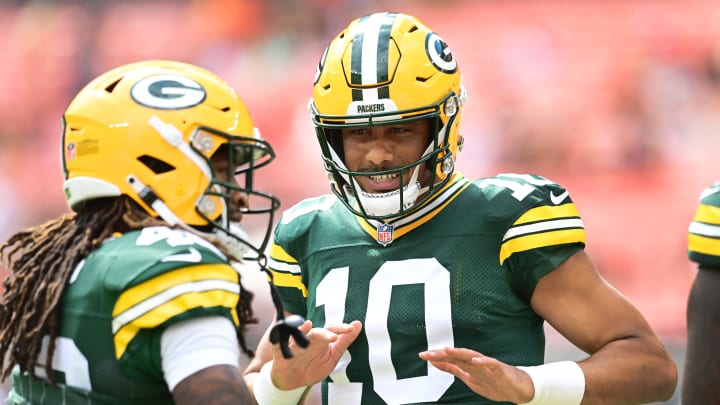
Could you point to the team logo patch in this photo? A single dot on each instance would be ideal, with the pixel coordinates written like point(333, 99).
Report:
point(440, 54)
point(385, 234)
point(168, 92)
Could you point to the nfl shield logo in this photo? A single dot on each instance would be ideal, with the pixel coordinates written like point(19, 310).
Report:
point(385, 234)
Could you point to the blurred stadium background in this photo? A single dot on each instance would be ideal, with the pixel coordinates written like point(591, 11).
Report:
point(619, 101)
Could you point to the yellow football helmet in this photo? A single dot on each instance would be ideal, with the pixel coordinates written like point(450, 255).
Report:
point(148, 130)
point(387, 68)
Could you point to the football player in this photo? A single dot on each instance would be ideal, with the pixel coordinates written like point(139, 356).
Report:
point(132, 298)
point(424, 286)
point(702, 358)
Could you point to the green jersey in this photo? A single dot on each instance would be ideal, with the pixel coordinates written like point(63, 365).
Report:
point(704, 231)
point(458, 272)
point(114, 310)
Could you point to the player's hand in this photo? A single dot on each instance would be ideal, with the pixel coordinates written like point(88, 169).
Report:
point(484, 375)
point(311, 364)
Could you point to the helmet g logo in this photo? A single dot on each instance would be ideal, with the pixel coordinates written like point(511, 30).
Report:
point(440, 54)
point(168, 92)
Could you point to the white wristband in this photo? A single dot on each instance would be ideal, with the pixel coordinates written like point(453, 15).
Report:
point(561, 383)
point(266, 393)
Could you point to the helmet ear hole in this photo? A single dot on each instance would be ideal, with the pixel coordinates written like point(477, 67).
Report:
point(156, 165)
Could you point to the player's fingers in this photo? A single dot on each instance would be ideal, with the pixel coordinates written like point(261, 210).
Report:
point(348, 336)
point(343, 327)
point(450, 354)
point(321, 335)
point(306, 326)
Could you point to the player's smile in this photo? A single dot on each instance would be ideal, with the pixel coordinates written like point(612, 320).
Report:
point(381, 183)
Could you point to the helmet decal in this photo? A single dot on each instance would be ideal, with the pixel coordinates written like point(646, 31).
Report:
point(168, 92)
point(369, 63)
point(440, 54)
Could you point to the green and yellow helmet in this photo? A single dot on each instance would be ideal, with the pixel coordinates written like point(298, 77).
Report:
point(148, 130)
point(382, 69)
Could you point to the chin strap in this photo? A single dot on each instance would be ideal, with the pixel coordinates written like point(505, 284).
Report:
point(283, 327)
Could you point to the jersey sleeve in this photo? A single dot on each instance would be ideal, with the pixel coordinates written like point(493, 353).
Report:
point(542, 227)
point(162, 280)
point(289, 239)
point(704, 230)
point(196, 344)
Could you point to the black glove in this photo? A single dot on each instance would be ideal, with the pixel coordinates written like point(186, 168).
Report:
point(283, 329)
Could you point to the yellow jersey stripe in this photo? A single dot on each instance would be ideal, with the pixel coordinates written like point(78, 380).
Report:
point(147, 290)
point(704, 245)
point(289, 280)
point(278, 253)
point(708, 214)
point(548, 212)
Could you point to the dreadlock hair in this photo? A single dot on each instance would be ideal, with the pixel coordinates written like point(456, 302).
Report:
point(41, 260)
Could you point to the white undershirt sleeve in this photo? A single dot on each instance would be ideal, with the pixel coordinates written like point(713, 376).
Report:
point(196, 344)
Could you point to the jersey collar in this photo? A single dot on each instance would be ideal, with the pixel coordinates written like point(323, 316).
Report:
point(399, 227)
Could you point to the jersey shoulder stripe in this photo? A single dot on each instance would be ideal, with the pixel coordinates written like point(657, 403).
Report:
point(533, 211)
point(704, 230)
point(548, 212)
point(151, 304)
point(280, 255)
point(285, 269)
point(156, 276)
point(543, 226)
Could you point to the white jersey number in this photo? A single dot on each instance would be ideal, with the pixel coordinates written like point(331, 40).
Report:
point(332, 291)
point(67, 358)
